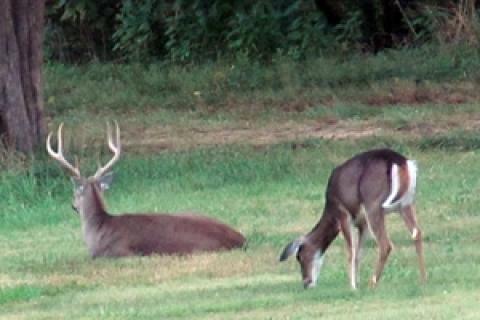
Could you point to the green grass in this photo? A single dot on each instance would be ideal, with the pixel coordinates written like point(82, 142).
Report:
point(284, 84)
point(272, 194)
point(241, 143)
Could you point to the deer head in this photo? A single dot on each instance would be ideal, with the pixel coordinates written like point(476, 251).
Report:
point(93, 186)
point(309, 257)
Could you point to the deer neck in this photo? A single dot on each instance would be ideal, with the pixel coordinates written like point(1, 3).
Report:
point(93, 208)
point(324, 232)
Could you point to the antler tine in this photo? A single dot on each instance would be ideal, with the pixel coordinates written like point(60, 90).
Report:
point(115, 147)
point(59, 154)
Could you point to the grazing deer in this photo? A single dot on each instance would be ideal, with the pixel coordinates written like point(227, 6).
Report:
point(360, 192)
point(137, 234)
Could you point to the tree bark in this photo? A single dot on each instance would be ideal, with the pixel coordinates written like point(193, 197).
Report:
point(22, 123)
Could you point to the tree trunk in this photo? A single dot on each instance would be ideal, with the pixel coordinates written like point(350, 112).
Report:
point(22, 124)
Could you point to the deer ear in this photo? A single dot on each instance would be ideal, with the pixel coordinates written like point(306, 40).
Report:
point(291, 248)
point(105, 181)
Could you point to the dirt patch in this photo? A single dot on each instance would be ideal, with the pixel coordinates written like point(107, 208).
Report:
point(162, 138)
point(413, 94)
point(140, 136)
point(172, 138)
point(432, 128)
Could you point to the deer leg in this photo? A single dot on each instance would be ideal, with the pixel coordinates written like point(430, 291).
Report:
point(362, 234)
point(410, 219)
point(345, 227)
point(376, 223)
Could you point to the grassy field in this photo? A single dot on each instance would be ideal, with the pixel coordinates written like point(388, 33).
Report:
point(262, 171)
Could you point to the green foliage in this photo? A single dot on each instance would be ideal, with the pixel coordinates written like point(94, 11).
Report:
point(134, 35)
point(187, 31)
point(196, 29)
point(246, 81)
point(350, 31)
point(184, 31)
point(80, 30)
point(253, 28)
point(426, 23)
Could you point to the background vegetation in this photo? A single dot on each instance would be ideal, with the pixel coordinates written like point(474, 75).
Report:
point(188, 31)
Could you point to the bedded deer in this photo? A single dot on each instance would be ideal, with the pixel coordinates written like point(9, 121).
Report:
point(360, 192)
point(137, 234)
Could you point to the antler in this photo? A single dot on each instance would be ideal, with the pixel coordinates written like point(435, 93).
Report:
point(115, 147)
point(59, 154)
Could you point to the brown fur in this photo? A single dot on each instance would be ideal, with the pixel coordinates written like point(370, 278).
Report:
point(146, 234)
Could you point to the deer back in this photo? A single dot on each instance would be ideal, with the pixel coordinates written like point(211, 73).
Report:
point(366, 179)
point(174, 234)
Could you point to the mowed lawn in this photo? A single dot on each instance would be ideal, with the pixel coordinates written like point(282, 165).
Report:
point(272, 194)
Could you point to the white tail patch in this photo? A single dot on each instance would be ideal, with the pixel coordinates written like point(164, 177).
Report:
point(408, 197)
point(395, 186)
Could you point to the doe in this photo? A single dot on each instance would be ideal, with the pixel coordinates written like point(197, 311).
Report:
point(137, 234)
point(360, 192)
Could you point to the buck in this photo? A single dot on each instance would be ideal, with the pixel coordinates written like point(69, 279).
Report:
point(109, 235)
point(360, 192)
